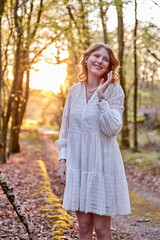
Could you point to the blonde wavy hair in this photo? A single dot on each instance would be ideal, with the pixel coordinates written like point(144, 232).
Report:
point(114, 63)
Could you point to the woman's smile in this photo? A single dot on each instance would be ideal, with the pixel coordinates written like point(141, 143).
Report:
point(97, 66)
point(98, 62)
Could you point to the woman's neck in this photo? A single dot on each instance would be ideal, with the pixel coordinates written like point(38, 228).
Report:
point(92, 82)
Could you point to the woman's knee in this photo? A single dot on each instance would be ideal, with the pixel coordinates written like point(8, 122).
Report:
point(85, 227)
point(102, 227)
point(102, 233)
point(85, 223)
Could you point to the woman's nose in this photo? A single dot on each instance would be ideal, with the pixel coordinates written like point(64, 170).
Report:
point(100, 60)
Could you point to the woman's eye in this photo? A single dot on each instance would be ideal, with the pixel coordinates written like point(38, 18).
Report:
point(106, 59)
point(96, 55)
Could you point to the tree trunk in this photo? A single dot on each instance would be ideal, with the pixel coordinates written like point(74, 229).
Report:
point(103, 21)
point(17, 89)
point(85, 28)
point(25, 100)
point(135, 148)
point(19, 111)
point(14, 146)
point(21, 64)
point(125, 128)
point(2, 159)
point(19, 67)
point(24, 218)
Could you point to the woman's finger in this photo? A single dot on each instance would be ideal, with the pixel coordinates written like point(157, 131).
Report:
point(62, 172)
point(102, 81)
point(63, 179)
point(105, 85)
point(110, 76)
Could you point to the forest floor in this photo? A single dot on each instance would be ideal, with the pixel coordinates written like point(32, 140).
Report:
point(26, 174)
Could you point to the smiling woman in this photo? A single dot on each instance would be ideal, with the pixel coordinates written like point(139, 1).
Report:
point(48, 77)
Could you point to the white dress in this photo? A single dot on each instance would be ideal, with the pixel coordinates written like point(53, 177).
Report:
point(95, 176)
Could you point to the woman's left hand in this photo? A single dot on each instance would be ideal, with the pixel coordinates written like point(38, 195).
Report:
point(103, 86)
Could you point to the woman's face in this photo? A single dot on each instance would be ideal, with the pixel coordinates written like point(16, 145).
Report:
point(98, 62)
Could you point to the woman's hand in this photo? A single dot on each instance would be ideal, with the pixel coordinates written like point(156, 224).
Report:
point(103, 86)
point(62, 171)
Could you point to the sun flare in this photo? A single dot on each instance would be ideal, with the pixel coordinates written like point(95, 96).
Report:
point(47, 76)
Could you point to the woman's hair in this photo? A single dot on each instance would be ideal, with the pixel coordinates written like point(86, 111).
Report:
point(114, 63)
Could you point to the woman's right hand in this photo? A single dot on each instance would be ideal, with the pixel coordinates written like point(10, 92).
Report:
point(62, 171)
point(104, 85)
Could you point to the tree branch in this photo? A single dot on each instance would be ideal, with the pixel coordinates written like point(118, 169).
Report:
point(71, 15)
point(23, 3)
point(38, 19)
point(156, 3)
point(153, 54)
point(6, 54)
point(48, 44)
point(15, 15)
point(25, 219)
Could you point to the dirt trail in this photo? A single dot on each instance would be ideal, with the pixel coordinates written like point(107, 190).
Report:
point(123, 227)
point(27, 179)
point(23, 174)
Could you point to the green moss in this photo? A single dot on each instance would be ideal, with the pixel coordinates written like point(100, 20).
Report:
point(62, 223)
point(45, 209)
point(59, 216)
point(143, 209)
point(58, 233)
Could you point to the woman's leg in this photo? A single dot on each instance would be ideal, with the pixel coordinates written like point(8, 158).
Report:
point(102, 227)
point(85, 221)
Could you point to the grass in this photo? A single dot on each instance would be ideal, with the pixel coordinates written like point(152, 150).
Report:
point(32, 136)
point(29, 130)
point(148, 156)
point(149, 161)
point(30, 125)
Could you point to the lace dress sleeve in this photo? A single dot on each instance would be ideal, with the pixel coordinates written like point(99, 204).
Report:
point(111, 111)
point(63, 135)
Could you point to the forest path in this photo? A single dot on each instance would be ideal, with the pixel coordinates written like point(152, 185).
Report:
point(144, 224)
point(25, 175)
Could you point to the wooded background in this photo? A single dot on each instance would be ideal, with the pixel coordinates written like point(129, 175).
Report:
point(28, 27)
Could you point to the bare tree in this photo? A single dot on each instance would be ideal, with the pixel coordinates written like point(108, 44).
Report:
point(103, 11)
point(125, 129)
point(135, 81)
point(2, 4)
point(21, 64)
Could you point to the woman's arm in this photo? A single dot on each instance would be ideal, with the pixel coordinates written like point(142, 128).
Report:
point(63, 135)
point(111, 111)
point(62, 142)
